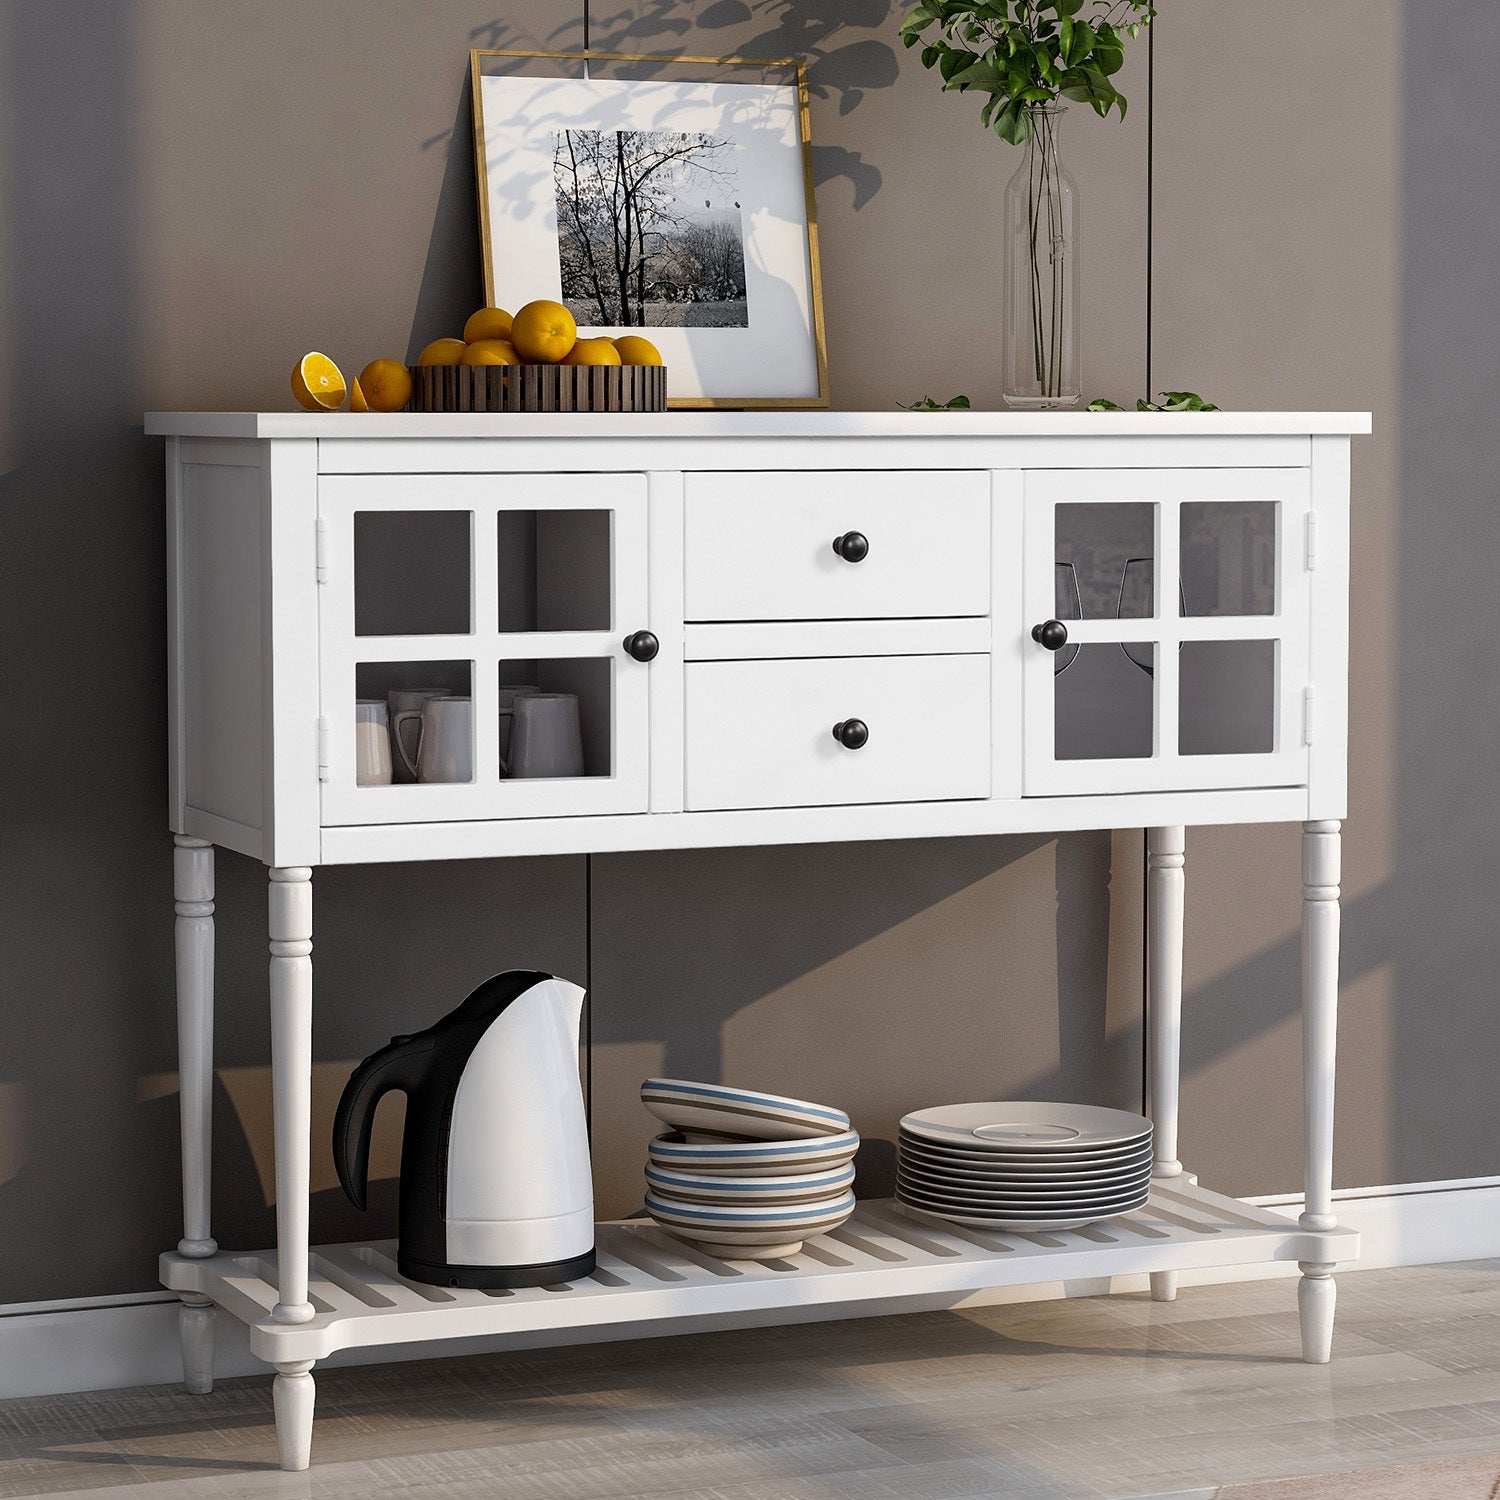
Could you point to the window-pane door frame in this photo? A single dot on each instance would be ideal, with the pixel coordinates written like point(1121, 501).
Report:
point(340, 651)
point(1167, 491)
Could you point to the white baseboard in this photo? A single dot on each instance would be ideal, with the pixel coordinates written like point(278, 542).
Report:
point(99, 1344)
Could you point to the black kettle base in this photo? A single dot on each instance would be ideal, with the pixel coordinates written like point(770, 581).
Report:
point(494, 1278)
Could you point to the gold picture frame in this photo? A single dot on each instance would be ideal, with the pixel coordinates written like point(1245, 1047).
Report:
point(796, 67)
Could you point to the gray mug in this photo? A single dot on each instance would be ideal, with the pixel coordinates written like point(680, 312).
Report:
point(405, 742)
point(445, 740)
point(508, 696)
point(546, 740)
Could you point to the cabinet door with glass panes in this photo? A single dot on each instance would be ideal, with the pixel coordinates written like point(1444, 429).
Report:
point(1167, 629)
point(470, 646)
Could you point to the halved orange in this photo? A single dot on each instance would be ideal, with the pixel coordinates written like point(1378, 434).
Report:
point(318, 383)
point(357, 400)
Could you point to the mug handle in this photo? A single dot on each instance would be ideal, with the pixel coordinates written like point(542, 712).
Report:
point(400, 739)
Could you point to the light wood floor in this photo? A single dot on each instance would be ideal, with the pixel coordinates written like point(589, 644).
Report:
point(1107, 1397)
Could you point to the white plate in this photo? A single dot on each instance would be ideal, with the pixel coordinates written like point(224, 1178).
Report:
point(969, 1191)
point(754, 1158)
point(1026, 1126)
point(1007, 1226)
point(722, 1110)
point(1124, 1203)
point(966, 1172)
point(707, 1187)
point(1047, 1203)
point(945, 1159)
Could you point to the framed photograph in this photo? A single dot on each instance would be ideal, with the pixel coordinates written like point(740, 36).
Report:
point(679, 208)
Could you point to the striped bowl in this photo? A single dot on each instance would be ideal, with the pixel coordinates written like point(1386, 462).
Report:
point(720, 1111)
point(754, 1158)
point(707, 1187)
point(734, 1231)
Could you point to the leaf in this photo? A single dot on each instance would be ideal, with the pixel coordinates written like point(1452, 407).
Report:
point(1065, 34)
point(1069, 7)
point(1103, 403)
point(1108, 57)
point(917, 20)
point(980, 75)
point(1080, 44)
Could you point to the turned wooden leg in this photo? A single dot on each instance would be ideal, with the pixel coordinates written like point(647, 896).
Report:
point(292, 1400)
point(1165, 885)
point(1320, 997)
point(291, 1097)
point(193, 894)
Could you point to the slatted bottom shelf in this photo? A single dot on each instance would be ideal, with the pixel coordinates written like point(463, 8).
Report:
point(645, 1276)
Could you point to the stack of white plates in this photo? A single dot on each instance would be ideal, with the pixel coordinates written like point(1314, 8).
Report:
point(1023, 1166)
point(746, 1175)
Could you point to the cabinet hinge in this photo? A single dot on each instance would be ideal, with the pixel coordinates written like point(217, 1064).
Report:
point(323, 758)
point(1309, 707)
point(320, 548)
point(1310, 541)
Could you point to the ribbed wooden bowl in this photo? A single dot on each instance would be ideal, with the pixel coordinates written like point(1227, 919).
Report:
point(539, 388)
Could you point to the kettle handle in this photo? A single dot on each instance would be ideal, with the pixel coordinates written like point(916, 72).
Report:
point(401, 1065)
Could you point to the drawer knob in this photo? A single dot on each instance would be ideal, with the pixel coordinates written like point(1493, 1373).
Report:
point(1052, 634)
point(642, 645)
point(851, 733)
point(853, 546)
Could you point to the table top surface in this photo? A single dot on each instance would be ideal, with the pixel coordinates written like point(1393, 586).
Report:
point(753, 424)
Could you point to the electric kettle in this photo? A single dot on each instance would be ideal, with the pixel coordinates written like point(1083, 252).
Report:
point(496, 1189)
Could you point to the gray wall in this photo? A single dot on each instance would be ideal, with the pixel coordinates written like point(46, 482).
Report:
point(194, 192)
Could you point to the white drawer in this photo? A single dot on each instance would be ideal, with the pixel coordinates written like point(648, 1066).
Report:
point(761, 733)
point(760, 546)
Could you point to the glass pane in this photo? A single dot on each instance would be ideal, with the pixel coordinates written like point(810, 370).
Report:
point(414, 721)
point(1104, 702)
point(1096, 541)
point(554, 569)
point(1229, 557)
point(555, 718)
point(1227, 698)
point(411, 572)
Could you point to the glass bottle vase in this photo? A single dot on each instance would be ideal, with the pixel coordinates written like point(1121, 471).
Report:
point(1042, 347)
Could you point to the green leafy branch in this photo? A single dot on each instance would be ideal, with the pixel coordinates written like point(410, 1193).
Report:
point(1170, 401)
point(1024, 53)
point(954, 403)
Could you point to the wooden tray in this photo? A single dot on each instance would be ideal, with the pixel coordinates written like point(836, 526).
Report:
point(539, 388)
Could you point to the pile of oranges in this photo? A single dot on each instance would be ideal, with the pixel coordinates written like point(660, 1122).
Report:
point(542, 333)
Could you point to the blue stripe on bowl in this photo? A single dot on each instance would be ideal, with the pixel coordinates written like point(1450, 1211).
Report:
point(765, 1101)
point(704, 1151)
point(766, 1186)
point(740, 1218)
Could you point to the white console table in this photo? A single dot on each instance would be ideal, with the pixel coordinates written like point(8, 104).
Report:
point(937, 624)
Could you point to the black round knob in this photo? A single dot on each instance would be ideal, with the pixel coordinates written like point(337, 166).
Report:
point(1052, 634)
point(642, 645)
point(853, 546)
point(851, 733)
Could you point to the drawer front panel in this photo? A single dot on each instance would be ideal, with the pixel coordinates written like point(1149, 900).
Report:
point(759, 546)
point(760, 733)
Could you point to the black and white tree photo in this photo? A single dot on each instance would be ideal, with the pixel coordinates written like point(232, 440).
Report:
point(649, 229)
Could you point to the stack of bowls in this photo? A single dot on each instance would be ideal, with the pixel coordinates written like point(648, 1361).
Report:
point(745, 1175)
point(1023, 1166)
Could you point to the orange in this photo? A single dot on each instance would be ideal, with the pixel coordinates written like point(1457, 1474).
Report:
point(386, 384)
point(592, 352)
point(317, 383)
point(357, 400)
point(441, 352)
point(543, 332)
point(634, 350)
point(489, 352)
point(487, 323)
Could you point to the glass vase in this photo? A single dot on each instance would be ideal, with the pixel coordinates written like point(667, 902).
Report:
point(1042, 348)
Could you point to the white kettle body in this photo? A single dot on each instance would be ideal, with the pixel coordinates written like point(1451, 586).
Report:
point(496, 1186)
